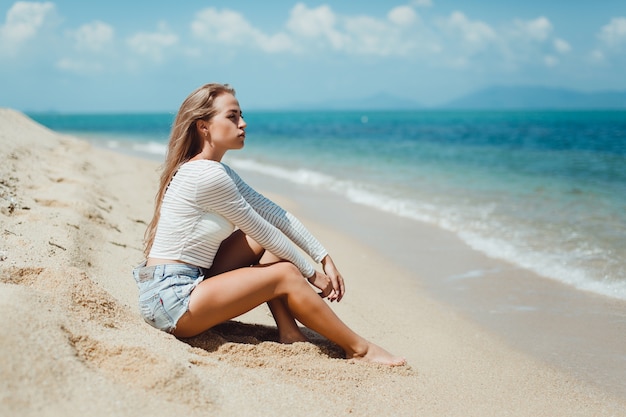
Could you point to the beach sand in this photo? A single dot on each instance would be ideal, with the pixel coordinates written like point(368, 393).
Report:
point(72, 220)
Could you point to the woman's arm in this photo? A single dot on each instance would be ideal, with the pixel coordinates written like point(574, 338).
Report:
point(282, 219)
point(216, 191)
point(293, 229)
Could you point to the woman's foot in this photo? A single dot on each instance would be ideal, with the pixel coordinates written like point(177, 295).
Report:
point(291, 336)
point(376, 354)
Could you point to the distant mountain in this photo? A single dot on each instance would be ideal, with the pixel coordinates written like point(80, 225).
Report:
point(380, 101)
point(503, 97)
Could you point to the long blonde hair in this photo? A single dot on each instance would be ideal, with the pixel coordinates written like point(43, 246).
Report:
point(184, 143)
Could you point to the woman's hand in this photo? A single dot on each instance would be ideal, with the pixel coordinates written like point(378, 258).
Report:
point(335, 277)
point(323, 282)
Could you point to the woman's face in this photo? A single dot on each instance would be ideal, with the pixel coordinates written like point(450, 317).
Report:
point(226, 128)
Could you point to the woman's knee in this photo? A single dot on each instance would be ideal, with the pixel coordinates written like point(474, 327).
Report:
point(289, 270)
point(289, 273)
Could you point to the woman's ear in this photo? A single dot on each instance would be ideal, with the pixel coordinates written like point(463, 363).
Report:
point(202, 127)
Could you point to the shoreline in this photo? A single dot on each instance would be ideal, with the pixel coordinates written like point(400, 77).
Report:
point(581, 332)
point(73, 235)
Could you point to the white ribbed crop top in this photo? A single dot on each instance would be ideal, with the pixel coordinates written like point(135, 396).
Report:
point(204, 203)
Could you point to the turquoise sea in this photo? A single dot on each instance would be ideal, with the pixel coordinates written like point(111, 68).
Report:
point(545, 190)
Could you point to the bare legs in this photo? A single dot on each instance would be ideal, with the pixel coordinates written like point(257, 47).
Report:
point(288, 330)
point(230, 294)
point(239, 251)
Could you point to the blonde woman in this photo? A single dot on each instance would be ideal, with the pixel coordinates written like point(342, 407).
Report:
point(216, 248)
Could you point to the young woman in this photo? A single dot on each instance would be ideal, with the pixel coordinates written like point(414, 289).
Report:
point(216, 248)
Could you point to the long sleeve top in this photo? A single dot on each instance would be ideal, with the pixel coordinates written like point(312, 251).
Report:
point(204, 203)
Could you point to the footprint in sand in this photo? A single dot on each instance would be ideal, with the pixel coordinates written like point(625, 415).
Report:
point(140, 368)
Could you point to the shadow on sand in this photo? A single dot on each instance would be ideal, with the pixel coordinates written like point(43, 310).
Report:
point(254, 334)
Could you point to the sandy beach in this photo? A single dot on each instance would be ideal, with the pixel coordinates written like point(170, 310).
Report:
point(72, 218)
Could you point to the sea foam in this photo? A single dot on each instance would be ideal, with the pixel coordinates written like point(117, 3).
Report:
point(554, 264)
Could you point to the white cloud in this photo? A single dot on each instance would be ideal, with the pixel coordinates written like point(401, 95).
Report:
point(223, 26)
point(93, 37)
point(531, 42)
point(310, 30)
point(402, 15)
point(93, 46)
point(538, 29)
point(454, 40)
point(369, 36)
point(393, 36)
point(315, 23)
point(561, 46)
point(152, 44)
point(231, 28)
point(23, 21)
point(475, 34)
point(360, 35)
point(613, 34)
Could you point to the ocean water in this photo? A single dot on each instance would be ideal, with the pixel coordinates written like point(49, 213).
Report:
point(545, 190)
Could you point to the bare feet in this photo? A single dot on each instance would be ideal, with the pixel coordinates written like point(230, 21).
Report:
point(376, 354)
point(290, 337)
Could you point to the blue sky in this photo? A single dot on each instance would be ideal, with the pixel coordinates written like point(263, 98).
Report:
point(82, 56)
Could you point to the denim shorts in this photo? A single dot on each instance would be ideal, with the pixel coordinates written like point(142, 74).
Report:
point(164, 292)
